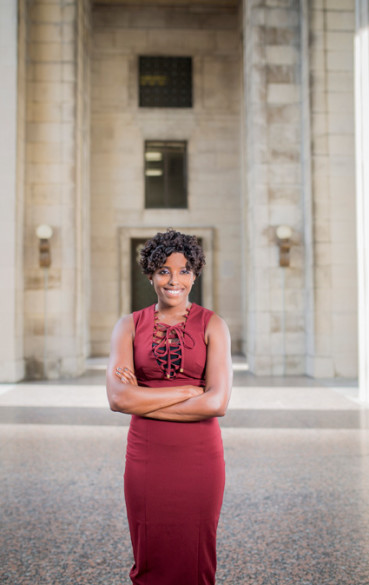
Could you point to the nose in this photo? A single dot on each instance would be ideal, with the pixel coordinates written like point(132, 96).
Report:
point(173, 279)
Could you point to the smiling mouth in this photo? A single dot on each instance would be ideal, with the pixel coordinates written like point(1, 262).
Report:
point(173, 292)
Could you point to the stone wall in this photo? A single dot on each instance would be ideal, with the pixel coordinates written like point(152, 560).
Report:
point(333, 186)
point(12, 115)
point(57, 186)
point(362, 178)
point(298, 71)
point(119, 128)
point(275, 334)
point(270, 142)
point(83, 123)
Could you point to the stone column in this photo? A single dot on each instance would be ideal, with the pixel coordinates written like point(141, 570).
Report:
point(12, 86)
point(57, 182)
point(362, 187)
point(333, 349)
point(275, 296)
point(307, 195)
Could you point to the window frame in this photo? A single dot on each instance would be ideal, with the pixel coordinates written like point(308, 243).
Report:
point(166, 147)
point(166, 83)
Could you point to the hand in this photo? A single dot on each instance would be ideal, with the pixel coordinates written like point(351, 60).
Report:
point(126, 375)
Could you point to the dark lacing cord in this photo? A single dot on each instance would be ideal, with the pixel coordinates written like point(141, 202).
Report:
point(166, 352)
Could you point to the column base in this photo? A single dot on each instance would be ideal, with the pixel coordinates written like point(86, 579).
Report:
point(12, 371)
point(55, 368)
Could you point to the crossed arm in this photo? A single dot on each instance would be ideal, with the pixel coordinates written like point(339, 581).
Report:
point(176, 403)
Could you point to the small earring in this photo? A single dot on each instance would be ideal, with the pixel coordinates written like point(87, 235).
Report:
point(151, 282)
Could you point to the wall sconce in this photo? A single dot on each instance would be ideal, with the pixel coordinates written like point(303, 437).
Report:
point(284, 234)
point(44, 233)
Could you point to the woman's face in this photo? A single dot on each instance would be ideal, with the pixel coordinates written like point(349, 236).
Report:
point(173, 281)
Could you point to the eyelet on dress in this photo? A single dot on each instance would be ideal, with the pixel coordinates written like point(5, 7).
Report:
point(168, 344)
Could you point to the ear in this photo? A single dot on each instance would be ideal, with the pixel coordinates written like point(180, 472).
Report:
point(149, 276)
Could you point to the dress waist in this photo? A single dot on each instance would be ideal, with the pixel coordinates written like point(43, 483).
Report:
point(170, 383)
point(188, 436)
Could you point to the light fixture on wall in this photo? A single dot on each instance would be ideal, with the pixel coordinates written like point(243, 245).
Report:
point(284, 235)
point(284, 241)
point(44, 233)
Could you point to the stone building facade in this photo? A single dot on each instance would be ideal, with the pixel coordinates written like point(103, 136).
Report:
point(211, 128)
point(270, 141)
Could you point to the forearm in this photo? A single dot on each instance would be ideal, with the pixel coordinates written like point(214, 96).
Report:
point(140, 400)
point(173, 415)
point(207, 405)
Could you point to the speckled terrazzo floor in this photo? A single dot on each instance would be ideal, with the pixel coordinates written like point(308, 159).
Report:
point(296, 508)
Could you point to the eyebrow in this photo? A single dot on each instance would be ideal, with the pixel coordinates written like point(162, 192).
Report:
point(165, 266)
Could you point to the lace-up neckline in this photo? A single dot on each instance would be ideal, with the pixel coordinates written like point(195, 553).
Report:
point(168, 344)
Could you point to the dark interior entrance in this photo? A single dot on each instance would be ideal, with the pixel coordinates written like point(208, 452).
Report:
point(142, 294)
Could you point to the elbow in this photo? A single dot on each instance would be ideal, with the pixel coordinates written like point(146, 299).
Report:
point(114, 403)
point(221, 412)
point(111, 395)
point(217, 406)
point(116, 399)
point(122, 402)
point(118, 405)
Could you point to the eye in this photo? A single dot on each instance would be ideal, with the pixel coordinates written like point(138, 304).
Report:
point(163, 271)
point(185, 271)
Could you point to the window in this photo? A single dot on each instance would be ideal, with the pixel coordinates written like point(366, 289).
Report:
point(165, 174)
point(165, 82)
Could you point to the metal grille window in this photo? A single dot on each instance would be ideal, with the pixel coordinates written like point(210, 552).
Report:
point(165, 174)
point(165, 82)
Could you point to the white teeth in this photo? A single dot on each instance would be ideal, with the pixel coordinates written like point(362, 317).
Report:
point(173, 292)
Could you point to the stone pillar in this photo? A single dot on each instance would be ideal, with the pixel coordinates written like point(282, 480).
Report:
point(362, 187)
point(333, 349)
point(306, 183)
point(12, 86)
point(275, 296)
point(57, 182)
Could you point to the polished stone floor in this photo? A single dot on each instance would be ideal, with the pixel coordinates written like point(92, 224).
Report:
point(296, 507)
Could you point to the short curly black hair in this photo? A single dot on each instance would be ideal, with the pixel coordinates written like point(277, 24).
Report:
point(157, 249)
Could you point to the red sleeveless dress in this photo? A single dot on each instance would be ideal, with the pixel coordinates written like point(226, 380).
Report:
point(174, 475)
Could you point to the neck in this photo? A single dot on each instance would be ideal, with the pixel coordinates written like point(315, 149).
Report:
point(176, 310)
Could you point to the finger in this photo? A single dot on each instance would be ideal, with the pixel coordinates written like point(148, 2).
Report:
point(126, 375)
point(122, 371)
point(125, 371)
point(129, 373)
point(120, 376)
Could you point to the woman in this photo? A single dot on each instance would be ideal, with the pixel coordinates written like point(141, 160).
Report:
point(170, 368)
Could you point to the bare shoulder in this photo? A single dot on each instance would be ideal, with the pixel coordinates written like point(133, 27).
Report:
point(124, 326)
point(216, 327)
point(121, 345)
